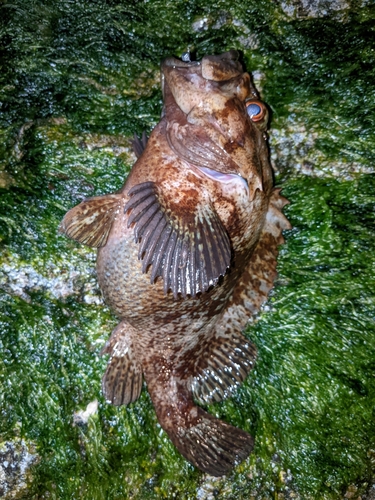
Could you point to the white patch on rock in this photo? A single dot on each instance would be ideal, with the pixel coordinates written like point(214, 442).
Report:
point(74, 277)
point(200, 24)
point(15, 461)
point(247, 39)
point(258, 78)
point(314, 8)
point(207, 490)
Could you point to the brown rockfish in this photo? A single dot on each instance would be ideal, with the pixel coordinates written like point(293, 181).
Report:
point(187, 252)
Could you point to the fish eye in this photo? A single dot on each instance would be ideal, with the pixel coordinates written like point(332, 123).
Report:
point(256, 110)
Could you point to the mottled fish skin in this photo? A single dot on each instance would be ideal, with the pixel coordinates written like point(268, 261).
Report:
point(187, 253)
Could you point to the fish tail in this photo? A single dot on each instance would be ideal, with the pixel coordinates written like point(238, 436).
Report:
point(208, 443)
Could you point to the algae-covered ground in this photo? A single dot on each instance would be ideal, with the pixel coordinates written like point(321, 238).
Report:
point(77, 79)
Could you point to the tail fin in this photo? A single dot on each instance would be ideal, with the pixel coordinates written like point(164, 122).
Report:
point(208, 443)
point(212, 445)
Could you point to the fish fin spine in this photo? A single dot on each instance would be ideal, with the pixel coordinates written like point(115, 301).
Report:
point(260, 274)
point(139, 144)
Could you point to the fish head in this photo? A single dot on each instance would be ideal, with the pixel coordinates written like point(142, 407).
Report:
point(215, 89)
point(215, 118)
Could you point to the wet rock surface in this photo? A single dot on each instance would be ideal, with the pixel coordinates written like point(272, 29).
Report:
point(16, 459)
point(78, 79)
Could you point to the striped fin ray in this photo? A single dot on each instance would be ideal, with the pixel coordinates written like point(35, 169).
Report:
point(122, 381)
point(228, 360)
point(189, 251)
point(212, 445)
point(139, 144)
point(258, 279)
point(90, 222)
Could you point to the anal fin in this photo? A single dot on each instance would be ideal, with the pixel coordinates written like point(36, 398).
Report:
point(122, 381)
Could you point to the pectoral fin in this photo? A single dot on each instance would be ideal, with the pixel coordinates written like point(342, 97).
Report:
point(190, 251)
point(90, 222)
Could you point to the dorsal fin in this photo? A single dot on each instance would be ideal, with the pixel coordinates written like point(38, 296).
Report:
point(90, 222)
point(258, 278)
point(229, 356)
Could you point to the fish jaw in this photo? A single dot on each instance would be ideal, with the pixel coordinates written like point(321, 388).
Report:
point(236, 182)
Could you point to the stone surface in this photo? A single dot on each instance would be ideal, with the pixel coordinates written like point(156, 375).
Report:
point(315, 8)
point(78, 79)
point(15, 461)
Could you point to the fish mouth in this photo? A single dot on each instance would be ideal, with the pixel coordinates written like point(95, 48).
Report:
point(215, 68)
point(225, 178)
point(174, 62)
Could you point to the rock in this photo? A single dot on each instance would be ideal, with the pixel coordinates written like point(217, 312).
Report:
point(15, 462)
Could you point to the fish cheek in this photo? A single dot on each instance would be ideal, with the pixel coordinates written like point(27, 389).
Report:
point(234, 120)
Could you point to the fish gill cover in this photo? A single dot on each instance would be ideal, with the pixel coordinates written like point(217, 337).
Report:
point(77, 79)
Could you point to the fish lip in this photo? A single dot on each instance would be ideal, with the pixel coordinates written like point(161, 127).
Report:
point(174, 62)
point(223, 177)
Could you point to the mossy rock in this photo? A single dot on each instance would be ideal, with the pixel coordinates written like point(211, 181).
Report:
point(77, 80)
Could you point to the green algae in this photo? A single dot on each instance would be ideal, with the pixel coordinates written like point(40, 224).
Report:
point(77, 79)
